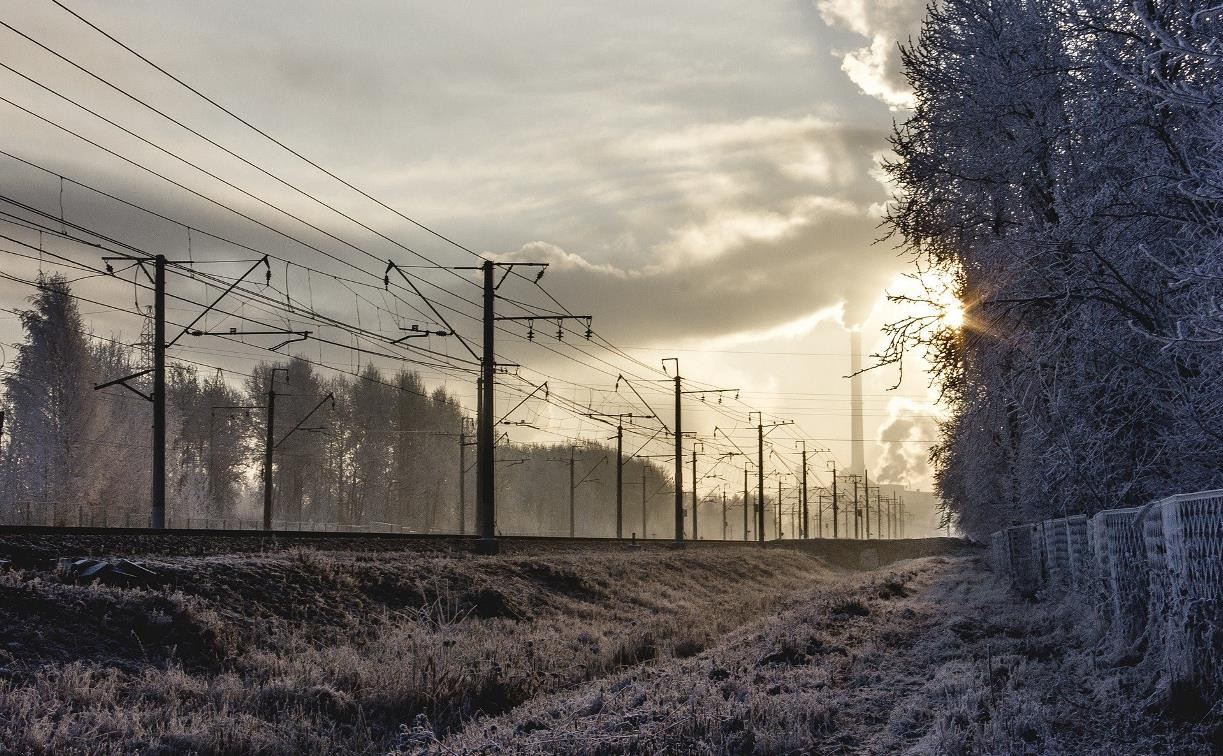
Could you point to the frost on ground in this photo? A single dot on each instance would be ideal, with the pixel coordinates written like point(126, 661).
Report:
point(730, 650)
point(928, 657)
point(316, 652)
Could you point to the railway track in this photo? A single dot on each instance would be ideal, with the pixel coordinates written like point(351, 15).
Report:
point(28, 544)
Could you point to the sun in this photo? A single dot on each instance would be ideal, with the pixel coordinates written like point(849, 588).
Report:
point(947, 306)
point(951, 312)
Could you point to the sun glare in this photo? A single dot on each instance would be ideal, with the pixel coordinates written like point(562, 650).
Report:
point(952, 312)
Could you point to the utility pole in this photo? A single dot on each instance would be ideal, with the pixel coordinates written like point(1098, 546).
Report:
point(759, 477)
point(834, 499)
point(723, 513)
point(268, 443)
point(463, 444)
point(902, 517)
point(695, 532)
point(575, 484)
point(159, 392)
point(780, 532)
point(806, 532)
point(746, 505)
point(819, 514)
point(679, 455)
point(485, 501)
point(679, 449)
point(160, 345)
point(157, 516)
point(643, 511)
point(857, 511)
point(878, 512)
point(267, 481)
point(486, 506)
point(866, 495)
point(620, 480)
point(619, 462)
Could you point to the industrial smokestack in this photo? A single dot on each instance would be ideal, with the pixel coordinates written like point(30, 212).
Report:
point(857, 457)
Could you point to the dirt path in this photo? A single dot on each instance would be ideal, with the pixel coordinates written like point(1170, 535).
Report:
point(929, 656)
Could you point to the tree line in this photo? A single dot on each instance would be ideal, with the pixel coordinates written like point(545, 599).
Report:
point(379, 452)
point(1063, 170)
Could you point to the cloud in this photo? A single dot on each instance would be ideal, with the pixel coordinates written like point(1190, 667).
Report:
point(765, 275)
point(875, 67)
point(696, 172)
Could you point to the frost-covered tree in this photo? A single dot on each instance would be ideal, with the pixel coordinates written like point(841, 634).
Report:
point(50, 404)
point(212, 449)
point(299, 470)
point(1059, 170)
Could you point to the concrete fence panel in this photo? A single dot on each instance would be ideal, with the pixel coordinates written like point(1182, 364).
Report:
point(1057, 552)
point(1157, 570)
point(1121, 567)
point(1078, 551)
point(1192, 526)
point(1025, 570)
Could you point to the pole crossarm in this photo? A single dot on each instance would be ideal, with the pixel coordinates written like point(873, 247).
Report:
point(773, 453)
point(301, 422)
point(644, 403)
point(637, 454)
point(620, 416)
point(558, 319)
point(771, 426)
point(594, 467)
point(416, 332)
point(543, 386)
point(702, 393)
point(386, 280)
point(301, 335)
point(509, 268)
point(261, 261)
point(717, 430)
point(124, 383)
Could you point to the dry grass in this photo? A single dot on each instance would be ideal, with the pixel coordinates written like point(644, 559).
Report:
point(698, 651)
point(306, 652)
point(929, 657)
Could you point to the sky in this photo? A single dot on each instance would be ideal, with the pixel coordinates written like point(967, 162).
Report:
point(703, 178)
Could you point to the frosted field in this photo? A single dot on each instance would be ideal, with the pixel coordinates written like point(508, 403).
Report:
point(730, 650)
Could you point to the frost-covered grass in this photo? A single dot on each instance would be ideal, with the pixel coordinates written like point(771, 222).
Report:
point(708, 651)
point(312, 652)
point(929, 657)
